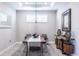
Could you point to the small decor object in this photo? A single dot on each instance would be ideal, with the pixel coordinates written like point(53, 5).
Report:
point(59, 32)
point(67, 34)
point(58, 40)
point(35, 35)
point(66, 22)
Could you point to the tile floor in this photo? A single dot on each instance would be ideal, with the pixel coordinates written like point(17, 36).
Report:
point(53, 51)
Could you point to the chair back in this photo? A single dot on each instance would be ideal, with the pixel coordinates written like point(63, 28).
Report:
point(27, 36)
point(44, 36)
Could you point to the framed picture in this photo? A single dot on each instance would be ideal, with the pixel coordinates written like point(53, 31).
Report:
point(66, 22)
point(5, 20)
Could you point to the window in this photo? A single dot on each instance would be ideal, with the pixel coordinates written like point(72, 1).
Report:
point(3, 18)
point(41, 18)
point(36, 18)
point(30, 18)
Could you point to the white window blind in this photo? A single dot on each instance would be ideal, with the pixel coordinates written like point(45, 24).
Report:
point(36, 18)
point(3, 17)
point(41, 18)
point(30, 18)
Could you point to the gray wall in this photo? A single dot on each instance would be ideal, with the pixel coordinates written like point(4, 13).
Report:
point(24, 28)
point(7, 35)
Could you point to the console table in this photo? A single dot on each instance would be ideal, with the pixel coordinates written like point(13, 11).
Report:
point(65, 46)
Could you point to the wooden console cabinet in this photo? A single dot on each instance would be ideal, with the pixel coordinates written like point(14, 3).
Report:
point(58, 42)
point(59, 45)
point(68, 48)
point(65, 46)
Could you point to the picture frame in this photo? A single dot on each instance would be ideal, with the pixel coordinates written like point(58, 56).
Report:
point(66, 20)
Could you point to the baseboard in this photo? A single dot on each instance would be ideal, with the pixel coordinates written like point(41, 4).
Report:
point(20, 42)
point(4, 50)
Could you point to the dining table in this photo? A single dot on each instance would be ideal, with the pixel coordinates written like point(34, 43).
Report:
point(35, 42)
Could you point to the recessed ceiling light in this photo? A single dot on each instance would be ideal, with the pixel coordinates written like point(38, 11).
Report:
point(52, 3)
point(35, 4)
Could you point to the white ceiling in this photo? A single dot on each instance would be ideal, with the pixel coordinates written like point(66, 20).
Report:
point(31, 5)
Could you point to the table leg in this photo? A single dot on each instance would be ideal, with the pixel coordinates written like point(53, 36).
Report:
point(27, 49)
point(27, 52)
point(41, 48)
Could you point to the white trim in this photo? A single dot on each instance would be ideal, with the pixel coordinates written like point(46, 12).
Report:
point(20, 42)
point(6, 49)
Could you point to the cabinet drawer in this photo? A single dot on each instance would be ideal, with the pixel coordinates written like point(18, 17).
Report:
point(68, 48)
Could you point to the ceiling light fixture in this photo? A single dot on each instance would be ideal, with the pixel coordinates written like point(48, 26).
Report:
point(34, 4)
